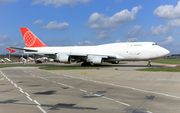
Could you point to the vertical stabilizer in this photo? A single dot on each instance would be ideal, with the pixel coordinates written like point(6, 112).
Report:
point(30, 39)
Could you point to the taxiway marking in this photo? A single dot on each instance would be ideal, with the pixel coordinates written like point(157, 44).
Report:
point(81, 89)
point(21, 90)
point(2, 78)
point(119, 85)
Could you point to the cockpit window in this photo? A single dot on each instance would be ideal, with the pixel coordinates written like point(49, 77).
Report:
point(154, 44)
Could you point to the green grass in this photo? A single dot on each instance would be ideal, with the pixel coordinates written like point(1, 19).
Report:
point(70, 68)
point(167, 61)
point(166, 69)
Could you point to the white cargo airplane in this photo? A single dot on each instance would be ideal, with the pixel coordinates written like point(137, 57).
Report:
point(113, 53)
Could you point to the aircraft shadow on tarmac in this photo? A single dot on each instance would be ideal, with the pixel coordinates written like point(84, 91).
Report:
point(52, 107)
point(69, 106)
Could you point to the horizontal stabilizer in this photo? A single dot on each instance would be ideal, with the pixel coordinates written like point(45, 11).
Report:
point(11, 50)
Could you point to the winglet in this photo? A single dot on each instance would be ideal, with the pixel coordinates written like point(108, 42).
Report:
point(30, 39)
point(11, 50)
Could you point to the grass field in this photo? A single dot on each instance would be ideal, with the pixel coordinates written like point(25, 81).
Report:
point(166, 69)
point(167, 61)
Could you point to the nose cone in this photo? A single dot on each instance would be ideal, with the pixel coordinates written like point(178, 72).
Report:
point(162, 52)
point(166, 52)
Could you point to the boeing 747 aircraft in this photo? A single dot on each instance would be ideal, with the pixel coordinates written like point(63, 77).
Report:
point(113, 53)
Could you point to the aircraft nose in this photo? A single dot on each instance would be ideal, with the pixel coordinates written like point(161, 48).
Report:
point(166, 52)
point(163, 52)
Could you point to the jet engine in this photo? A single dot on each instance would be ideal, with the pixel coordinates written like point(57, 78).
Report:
point(63, 58)
point(97, 60)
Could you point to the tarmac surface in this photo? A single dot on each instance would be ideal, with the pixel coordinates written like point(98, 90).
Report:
point(118, 89)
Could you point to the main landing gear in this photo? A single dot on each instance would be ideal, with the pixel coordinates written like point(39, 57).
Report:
point(149, 63)
point(86, 64)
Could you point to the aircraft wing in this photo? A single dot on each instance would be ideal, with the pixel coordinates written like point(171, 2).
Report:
point(72, 55)
point(28, 50)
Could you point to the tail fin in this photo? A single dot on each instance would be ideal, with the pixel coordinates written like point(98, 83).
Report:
point(30, 39)
point(11, 50)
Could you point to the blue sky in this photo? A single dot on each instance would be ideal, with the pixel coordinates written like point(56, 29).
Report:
point(91, 22)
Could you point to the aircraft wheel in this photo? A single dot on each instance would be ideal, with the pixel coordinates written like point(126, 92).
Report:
point(149, 63)
point(86, 64)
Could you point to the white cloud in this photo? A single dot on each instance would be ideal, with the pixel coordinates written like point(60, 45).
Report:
point(174, 23)
point(4, 38)
point(132, 40)
point(107, 9)
point(167, 41)
point(168, 11)
point(2, 44)
point(85, 43)
point(19, 44)
point(59, 3)
point(134, 31)
point(124, 17)
point(103, 36)
point(57, 26)
point(38, 22)
point(117, 41)
point(5, 1)
point(160, 30)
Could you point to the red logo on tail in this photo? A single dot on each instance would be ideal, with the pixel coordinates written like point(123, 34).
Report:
point(30, 39)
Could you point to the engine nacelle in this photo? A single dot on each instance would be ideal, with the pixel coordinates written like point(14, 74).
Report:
point(97, 60)
point(63, 58)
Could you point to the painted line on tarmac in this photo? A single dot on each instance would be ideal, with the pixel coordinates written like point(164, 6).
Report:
point(2, 79)
point(172, 96)
point(49, 80)
point(90, 92)
point(54, 81)
point(83, 90)
point(115, 101)
point(21, 90)
point(122, 103)
point(29, 98)
point(41, 109)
